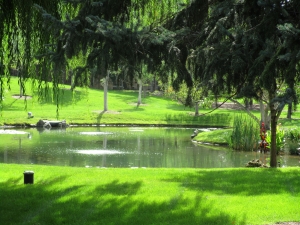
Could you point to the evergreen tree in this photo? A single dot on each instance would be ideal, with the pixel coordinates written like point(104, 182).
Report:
point(247, 47)
point(243, 49)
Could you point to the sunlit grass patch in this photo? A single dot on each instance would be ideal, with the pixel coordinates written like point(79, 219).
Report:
point(148, 196)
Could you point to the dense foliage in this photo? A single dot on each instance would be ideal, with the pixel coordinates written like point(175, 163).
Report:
point(242, 47)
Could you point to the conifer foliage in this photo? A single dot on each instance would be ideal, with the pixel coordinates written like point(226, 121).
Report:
point(251, 47)
point(245, 47)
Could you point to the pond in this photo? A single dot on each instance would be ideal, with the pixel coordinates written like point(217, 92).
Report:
point(121, 147)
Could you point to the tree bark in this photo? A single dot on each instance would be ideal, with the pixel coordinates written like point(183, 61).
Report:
point(140, 83)
point(197, 108)
point(289, 112)
point(264, 114)
point(273, 148)
point(105, 89)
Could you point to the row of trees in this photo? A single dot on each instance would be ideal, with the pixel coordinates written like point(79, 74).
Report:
point(244, 48)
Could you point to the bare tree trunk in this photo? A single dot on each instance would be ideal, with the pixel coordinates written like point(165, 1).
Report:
point(273, 148)
point(289, 112)
point(140, 83)
point(216, 101)
point(20, 73)
point(264, 109)
point(197, 108)
point(247, 104)
point(275, 114)
point(105, 89)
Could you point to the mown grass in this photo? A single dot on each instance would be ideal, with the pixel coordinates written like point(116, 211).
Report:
point(85, 106)
point(219, 136)
point(64, 195)
point(68, 195)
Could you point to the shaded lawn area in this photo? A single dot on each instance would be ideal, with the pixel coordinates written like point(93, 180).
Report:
point(68, 195)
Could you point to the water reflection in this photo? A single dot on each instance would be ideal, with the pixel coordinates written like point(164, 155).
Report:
point(97, 152)
point(121, 147)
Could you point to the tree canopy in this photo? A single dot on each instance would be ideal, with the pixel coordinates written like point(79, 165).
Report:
point(251, 47)
point(243, 47)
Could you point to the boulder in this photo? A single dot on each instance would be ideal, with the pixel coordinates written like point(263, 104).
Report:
point(255, 163)
point(51, 123)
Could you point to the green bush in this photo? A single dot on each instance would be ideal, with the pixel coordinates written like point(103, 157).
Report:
point(292, 138)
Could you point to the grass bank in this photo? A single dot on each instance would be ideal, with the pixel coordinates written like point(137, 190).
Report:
point(64, 195)
point(85, 106)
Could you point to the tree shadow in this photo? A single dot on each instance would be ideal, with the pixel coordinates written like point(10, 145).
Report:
point(250, 182)
point(125, 96)
point(66, 96)
point(117, 188)
point(135, 108)
point(99, 117)
point(49, 202)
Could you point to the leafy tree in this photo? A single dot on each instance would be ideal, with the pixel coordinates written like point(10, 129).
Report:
point(21, 37)
point(244, 48)
point(110, 34)
point(243, 53)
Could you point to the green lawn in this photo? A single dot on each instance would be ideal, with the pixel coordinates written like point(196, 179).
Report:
point(68, 195)
point(85, 106)
point(65, 195)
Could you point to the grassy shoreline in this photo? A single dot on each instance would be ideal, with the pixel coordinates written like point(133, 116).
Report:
point(68, 195)
point(85, 107)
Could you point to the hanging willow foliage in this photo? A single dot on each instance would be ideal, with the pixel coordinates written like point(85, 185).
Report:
point(109, 34)
point(22, 36)
point(44, 40)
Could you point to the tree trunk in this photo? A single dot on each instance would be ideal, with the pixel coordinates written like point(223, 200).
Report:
point(20, 82)
point(140, 83)
point(216, 101)
point(247, 104)
point(264, 114)
point(105, 89)
point(273, 148)
point(289, 112)
point(197, 108)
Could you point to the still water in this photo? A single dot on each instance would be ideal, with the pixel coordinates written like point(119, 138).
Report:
point(121, 147)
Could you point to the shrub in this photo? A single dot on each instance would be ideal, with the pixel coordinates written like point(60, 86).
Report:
point(292, 138)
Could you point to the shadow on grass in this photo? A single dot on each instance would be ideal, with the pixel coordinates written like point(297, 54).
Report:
point(125, 96)
point(13, 108)
point(66, 96)
point(135, 108)
point(49, 202)
point(252, 182)
point(99, 117)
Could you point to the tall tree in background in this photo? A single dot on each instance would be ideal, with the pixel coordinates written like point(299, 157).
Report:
point(246, 48)
point(243, 50)
point(110, 34)
point(187, 23)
